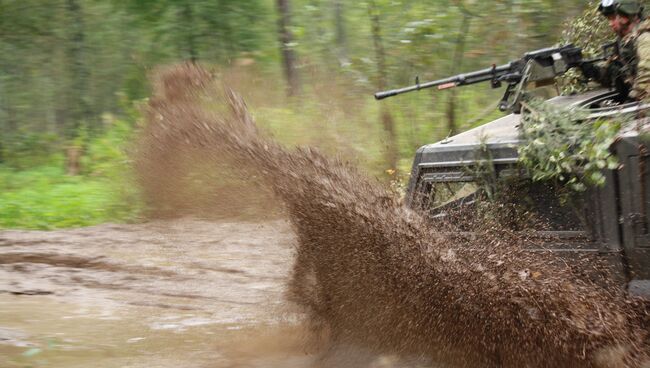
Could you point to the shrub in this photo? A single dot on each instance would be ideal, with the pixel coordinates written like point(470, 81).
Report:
point(562, 146)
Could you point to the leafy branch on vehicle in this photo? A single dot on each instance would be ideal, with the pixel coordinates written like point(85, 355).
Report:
point(563, 147)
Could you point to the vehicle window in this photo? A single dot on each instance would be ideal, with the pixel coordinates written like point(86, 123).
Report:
point(449, 193)
point(441, 199)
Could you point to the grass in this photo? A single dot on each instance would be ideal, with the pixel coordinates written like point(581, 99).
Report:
point(45, 198)
point(41, 196)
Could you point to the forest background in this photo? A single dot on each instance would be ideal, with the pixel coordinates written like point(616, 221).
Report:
point(74, 73)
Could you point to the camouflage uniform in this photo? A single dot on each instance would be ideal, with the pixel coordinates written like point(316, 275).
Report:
point(629, 70)
point(634, 52)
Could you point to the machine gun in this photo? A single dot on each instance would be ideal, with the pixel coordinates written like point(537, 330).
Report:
point(536, 68)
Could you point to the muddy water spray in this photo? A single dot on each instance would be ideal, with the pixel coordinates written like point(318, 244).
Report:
point(375, 273)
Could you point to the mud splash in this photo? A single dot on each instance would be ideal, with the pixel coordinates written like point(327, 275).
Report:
point(373, 273)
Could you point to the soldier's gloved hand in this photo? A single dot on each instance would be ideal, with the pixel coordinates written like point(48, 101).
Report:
point(617, 79)
point(614, 70)
point(590, 71)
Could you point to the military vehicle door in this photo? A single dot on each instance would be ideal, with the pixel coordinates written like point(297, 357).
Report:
point(634, 197)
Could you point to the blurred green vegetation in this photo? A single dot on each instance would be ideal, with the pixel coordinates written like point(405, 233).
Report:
point(72, 73)
point(36, 192)
point(45, 198)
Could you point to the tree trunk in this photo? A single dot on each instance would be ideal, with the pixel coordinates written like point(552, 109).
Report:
point(289, 58)
point(380, 53)
point(12, 121)
point(341, 34)
point(78, 113)
point(10, 126)
point(457, 61)
point(73, 160)
point(317, 25)
point(188, 29)
point(77, 105)
point(382, 75)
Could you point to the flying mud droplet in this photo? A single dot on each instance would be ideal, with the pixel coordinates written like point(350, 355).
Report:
point(370, 272)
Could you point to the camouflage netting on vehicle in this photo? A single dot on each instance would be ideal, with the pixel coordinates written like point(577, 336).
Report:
point(589, 31)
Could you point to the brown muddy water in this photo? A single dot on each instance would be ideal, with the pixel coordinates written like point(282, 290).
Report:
point(165, 294)
point(182, 293)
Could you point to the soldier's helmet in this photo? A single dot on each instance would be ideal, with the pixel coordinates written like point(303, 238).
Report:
point(623, 7)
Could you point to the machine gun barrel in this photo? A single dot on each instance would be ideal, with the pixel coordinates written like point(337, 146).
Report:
point(535, 69)
point(478, 76)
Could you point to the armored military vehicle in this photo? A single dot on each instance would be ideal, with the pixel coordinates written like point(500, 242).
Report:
point(610, 221)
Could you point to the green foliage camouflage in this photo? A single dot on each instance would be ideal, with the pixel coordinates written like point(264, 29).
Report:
point(562, 147)
point(590, 31)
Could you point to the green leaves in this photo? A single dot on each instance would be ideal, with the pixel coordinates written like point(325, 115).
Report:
point(588, 31)
point(565, 147)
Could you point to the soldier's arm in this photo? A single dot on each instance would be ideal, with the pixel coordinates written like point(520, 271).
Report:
point(641, 86)
point(600, 72)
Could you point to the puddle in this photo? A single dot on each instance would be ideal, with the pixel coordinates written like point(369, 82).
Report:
point(146, 303)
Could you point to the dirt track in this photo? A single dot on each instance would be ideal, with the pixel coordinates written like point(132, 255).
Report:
point(164, 294)
point(184, 293)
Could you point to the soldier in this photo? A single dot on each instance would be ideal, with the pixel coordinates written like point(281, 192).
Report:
point(629, 70)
